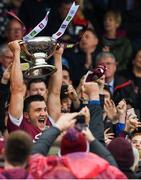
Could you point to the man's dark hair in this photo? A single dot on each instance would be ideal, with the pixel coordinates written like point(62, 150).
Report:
point(18, 148)
point(35, 80)
point(89, 29)
point(31, 99)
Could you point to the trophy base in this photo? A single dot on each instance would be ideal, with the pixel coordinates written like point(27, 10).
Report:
point(39, 71)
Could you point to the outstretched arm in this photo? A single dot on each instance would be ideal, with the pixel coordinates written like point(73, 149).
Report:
point(97, 148)
point(96, 118)
point(16, 83)
point(54, 87)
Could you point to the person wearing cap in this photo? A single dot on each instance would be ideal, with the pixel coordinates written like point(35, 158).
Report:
point(15, 28)
point(123, 155)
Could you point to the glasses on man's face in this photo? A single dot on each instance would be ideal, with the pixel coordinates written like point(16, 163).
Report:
point(13, 30)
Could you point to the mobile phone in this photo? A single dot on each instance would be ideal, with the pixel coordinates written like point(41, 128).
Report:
point(65, 88)
point(63, 93)
point(80, 122)
point(131, 113)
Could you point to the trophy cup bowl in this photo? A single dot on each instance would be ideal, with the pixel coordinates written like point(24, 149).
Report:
point(36, 52)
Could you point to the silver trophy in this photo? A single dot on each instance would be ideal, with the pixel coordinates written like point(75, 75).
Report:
point(36, 52)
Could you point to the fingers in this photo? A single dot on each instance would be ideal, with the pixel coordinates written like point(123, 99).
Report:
point(133, 124)
point(112, 102)
point(110, 135)
point(106, 130)
point(68, 116)
point(59, 49)
point(14, 45)
point(121, 104)
point(72, 122)
point(109, 103)
point(85, 111)
point(70, 89)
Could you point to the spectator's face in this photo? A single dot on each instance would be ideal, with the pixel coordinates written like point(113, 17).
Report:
point(38, 88)
point(88, 41)
point(38, 114)
point(136, 141)
point(111, 67)
point(7, 59)
point(65, 77)
point(137, 60)
point(14, 31)
point(66, 105)
point(110, 24)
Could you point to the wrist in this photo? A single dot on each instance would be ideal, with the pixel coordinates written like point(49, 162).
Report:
point(59, 126)
point(127, 129)
point(91, 139)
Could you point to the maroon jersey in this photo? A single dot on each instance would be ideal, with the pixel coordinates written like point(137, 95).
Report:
point(25, 125)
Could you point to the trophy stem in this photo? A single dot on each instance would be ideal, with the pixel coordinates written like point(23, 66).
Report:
point(40, 61)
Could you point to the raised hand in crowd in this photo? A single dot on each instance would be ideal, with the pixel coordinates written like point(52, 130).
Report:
point(121, 111)
point(110, 110)
point(72, 94)
point(85, 112)
point(66, 120)
point(91, 89)
point(79, 90)
point(132, 123)
point(108, 136)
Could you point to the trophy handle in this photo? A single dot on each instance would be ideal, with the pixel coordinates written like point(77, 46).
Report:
point(24, 49)
point(57, 46)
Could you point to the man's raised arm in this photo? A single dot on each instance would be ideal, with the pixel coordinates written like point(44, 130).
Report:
point(54, 87)
point(16, 83)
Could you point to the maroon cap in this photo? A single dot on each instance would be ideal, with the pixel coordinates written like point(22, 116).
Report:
point(73, 141)
point(14, 16)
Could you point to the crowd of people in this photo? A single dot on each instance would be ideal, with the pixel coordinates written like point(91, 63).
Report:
point(84, 120)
